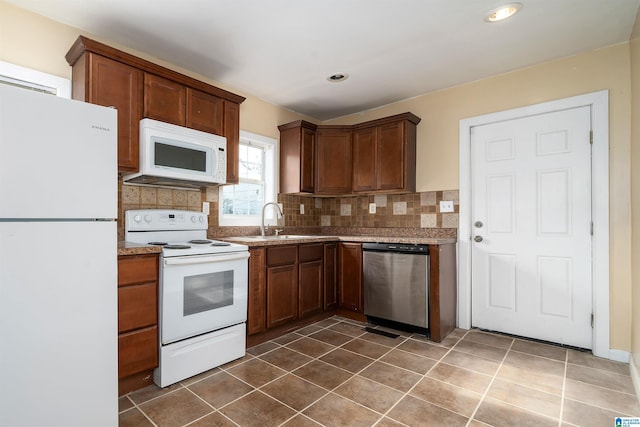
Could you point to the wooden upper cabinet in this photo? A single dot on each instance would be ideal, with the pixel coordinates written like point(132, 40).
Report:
point(232, 133)
point(364, 159)
point(333, 160)
point(138, 88)
point(297, 157)
point(384, 154)
point(205, 112)
point(106, 82)
point(164, 100)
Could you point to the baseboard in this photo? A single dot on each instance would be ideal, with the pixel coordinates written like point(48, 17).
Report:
point(635, 378)
point(619, 356)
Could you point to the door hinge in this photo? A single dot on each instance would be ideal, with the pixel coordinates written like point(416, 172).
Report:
point(591, 137)
point(591, 231)
point(592, 320)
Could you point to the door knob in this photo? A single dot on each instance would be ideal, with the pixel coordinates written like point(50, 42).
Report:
point(478, 224)
point(478, 239)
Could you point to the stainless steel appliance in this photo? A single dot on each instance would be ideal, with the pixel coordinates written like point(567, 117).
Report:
point(203, 292)
point(177, 156)
point(396, 283)
point(58, 261)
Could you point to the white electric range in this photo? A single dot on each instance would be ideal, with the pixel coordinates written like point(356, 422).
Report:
point(203, 292)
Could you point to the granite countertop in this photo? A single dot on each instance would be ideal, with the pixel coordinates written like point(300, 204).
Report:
point(128, 248)
point(272, 240)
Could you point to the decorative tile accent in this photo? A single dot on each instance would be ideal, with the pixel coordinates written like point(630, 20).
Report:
point(428, 198)
point(428, 220)
point(399, 208)
point(451, 195)
point(380, 201)
point(318, 203)
point(450, 220)
point(345, 209)
point(325, 220)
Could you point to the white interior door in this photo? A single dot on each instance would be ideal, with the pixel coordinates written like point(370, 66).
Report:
point(531, 222)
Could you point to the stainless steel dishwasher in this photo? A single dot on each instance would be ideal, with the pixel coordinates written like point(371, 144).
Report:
point(396, 283)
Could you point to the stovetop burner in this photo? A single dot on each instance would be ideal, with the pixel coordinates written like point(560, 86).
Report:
point(200, 241)
point(177, 247)
point(158, 243)
point(221, 244)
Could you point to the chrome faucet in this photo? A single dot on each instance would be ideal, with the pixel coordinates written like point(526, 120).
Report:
point(263, 209)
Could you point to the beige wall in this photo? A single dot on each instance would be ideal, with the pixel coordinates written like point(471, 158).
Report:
point(635, 192)
point(29, 40)
point(441, 111)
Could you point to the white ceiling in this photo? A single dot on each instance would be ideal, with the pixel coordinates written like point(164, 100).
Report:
point(283, 50)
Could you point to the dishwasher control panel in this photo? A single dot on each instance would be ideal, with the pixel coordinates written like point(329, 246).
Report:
point(406, 248)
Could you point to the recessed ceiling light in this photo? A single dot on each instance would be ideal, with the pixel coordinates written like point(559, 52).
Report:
point(503, 12)
point(337, 77)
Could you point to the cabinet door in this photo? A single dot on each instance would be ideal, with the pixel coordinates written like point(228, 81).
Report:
point(164, 100)
point(232, 133)
point(391, 162)
point(205, 112)
point(137, 306)
point(257, 300)
point(330, 276)
point(137, 351)
point(282, 294)
point(113, 84)
point(310, 288)
point(364, 159)
point(350, 276)
point(333, 161)
point(307, 160)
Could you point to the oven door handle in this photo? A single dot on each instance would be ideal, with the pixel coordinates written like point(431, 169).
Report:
point(201, 259)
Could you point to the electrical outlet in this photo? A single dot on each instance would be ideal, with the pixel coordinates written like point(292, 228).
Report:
point(446, 206)
point(301, 209)
point(372, 208)
point(205, 208)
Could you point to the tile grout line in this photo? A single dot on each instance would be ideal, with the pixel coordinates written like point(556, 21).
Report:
point(564, 385)
point(407, 393)
point(486, 391)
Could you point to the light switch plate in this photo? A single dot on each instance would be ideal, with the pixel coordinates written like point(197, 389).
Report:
point(301, 209)
point(372, 208)
point(205, 208)
point(446, 206)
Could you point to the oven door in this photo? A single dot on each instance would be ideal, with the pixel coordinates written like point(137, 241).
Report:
point(202, 293)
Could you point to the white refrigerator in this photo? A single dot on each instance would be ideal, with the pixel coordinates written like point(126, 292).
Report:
point(58, 261)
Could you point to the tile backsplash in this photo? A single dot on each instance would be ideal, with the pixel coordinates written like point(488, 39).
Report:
point(406, 211)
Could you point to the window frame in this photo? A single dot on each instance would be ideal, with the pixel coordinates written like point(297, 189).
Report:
point(270, 176)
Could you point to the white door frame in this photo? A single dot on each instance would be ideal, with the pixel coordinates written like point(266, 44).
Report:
point(599, 103)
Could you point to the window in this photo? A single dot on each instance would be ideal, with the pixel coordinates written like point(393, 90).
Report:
point(32, 79)
point(241, 204)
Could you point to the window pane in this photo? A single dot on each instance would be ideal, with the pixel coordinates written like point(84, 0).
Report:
point(242, 199)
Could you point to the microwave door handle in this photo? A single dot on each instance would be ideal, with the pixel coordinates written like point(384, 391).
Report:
point(205, 259)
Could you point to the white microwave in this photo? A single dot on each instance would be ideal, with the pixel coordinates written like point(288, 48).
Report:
point(177, 156)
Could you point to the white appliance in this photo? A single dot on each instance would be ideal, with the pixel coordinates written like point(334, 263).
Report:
point(177, 156)
point(203, 292)
point(58, 261)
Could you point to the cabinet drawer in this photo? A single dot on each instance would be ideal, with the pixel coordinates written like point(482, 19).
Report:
point(137, 351)
point(311, 252)
point(282, 255)
point(137, 306)
point(137, 269)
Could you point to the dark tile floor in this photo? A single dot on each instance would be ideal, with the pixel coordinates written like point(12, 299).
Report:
point(334, 373)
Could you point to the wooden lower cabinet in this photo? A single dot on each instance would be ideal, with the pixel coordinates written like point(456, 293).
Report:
point(330, 276)
point(137, 321)
point(350, 289)
point(282, 285)
point(256, 307)
point(310, 284)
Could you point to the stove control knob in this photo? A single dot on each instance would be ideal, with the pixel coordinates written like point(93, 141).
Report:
point(201, 219)
point(137, 218)
point(147, 219)
point(194, 219)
